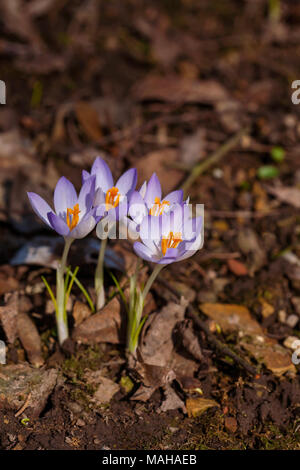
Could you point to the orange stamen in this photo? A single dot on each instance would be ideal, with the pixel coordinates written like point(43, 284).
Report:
point(112, 198)
point(73, 216)
point(171, 241)
point(158, 207)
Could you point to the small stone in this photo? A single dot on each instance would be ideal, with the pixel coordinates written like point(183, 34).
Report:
point(80, 422)
point(292, 320)
point(267, 309)
point(296, 304)
point(282, 316)
point(230, 424)
point(173, 429)
point(290, 342)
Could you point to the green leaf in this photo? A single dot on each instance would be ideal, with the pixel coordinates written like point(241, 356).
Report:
point(277, 154)
point(119, 289)
point(50, 292)
point(83, 290)
point(267, 172)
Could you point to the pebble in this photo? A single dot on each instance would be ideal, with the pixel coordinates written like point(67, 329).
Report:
point(290, 342)
point(282, 316)
point(292, 320)
point(80, 422)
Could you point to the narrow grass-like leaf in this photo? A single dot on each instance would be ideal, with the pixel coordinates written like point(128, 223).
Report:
point(84, 291)
point(120, 290)
point(50, 292)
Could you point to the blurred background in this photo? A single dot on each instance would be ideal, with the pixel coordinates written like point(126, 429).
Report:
point(161, 85)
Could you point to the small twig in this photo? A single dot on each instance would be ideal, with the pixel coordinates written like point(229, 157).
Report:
point(21, 410)
point(214, 158)
point(210, 337)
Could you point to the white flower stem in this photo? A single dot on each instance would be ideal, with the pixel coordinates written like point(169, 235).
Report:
point(61, 316)
point(99, 276)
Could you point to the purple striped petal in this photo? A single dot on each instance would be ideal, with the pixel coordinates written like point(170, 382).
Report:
point(58, 224)
point(86, 195)
point(170, 256)
point(85, 175)
point(40, 206)
point(65, 196)
point(127, 182)
point(153, 190)
point(85, 226)
point(175, 197)
point(104, 179)
point(144, 252)
point(137, 207)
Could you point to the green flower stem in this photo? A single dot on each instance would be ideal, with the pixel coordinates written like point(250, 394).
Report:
point(61, 316)
point(135, 320)
point(151, 279)
point(99, 276)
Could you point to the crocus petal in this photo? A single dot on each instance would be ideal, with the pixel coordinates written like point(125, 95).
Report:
point(85, 226)
point(104, 179)
point(150, 229)
point(40, 206)
point(191, 228)
point(144, 252)
point(86, 196)
point(190, 248)
point(65, 196)
point(175, 197)
point(137, 207)
point(143, 189)
point(58, 224)
point(153, 190)
point(127, 182)
point(85, 175)
point(170, 256)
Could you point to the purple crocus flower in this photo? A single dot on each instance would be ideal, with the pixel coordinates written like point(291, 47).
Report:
point(74, 216)
point(111, 198)
point(148, 201)
point(170, 237)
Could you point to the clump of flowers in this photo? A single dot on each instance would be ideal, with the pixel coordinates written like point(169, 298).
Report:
point(164, 230)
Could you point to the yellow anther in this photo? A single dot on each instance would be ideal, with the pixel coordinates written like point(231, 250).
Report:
point(112, 198)
point(73, 216)
point(158, 207)
point(171, 241)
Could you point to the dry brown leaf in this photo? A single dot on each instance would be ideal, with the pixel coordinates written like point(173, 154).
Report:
point(238, 268)
point(157, 344)
point(171, 400)
point(80, 312)
point(196, 406)
point(158, 162)
point(88, 118)
point(30, 339)
point(173, 88)
point(272, 355)
point(102, 327)
point(106, 388)
point(249, 244)
point(8, 316)
point(288, 195)
point(18, 382)
point(189, 339)
point(232, 317)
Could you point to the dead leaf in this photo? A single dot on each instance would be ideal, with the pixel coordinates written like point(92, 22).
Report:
point(80, 312)
point(249, 245)
point(8, 316)
point(196, 406)
point(102, 327)
point(106, 388)
point(173, 88)
point(30, 339)
point(275, 357)
point(286, 194)
point(171, 400)
point(88, 118)
point(157, 344)
point(158, 162)
point(232, 317)
point(238, 268)
point(18, 381)
point(267, 309)
point(189, 339)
